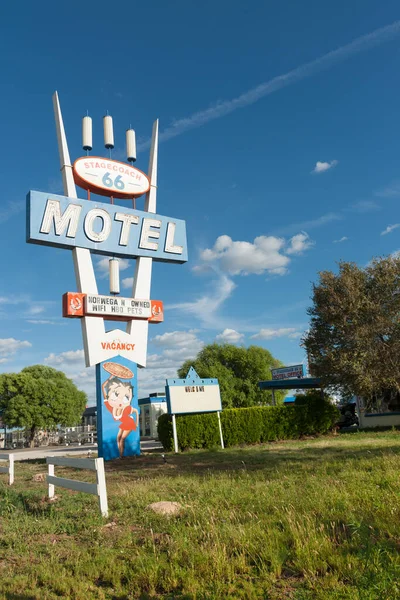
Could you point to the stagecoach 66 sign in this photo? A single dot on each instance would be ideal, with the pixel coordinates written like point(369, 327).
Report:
point(91, 226)
point(110, 177)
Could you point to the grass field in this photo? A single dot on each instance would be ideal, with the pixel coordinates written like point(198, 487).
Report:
point(317, 518)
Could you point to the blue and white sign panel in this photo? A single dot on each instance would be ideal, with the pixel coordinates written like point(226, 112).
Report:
point(293, 372)
point(193, 395)
point(104, 228)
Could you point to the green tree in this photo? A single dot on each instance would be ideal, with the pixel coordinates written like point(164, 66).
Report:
point(353, 342)
point(40, 397)
point(238, 371)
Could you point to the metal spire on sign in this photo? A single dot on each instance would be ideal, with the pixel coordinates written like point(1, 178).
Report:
point(92, 327)
point(142, 279)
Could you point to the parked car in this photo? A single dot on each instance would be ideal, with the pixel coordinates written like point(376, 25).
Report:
point(348, 415)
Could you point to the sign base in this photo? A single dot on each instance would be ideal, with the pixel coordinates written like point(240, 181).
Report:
point(118, 429)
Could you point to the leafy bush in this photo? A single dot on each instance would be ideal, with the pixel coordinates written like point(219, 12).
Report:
point(321, 413)
point(311, 414)
point(164, 430)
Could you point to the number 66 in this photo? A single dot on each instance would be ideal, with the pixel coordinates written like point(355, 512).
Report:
point(117, 183)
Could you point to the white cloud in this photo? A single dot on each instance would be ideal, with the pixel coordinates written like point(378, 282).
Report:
point(72, 363)
point(299, 243)
point(311, 224)
point(265, 254)
point(175, 338)
point(363, 206)
point(296, 335)
point(342, 239)
point(268, 334)
point(321, 167)
point(390, 191)
point(309, 69)
point(10, 210)
point(127, 282)
point(10, 346)
point(205, 308)
point(69, 359)
point(202, 269)
point(243, 258)
point(85, 380)
point(227, 257)
point(153, 378)
point(175, 348)
point(230, 336)
point(390, 228)
point(36, 309)
point(42, 322)
point(14, 299)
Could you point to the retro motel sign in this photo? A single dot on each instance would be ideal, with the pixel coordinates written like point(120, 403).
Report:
point(88, 226)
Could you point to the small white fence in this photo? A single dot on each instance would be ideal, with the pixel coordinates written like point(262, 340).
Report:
point(10, 468)
point(93, 464)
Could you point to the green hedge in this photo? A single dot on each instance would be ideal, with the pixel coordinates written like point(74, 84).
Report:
point(250, 425)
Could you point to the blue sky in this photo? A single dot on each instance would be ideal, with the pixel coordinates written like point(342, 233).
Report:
point(279, 147)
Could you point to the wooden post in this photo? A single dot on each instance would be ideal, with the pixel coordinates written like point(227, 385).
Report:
point(220, 431)
point(175, 434)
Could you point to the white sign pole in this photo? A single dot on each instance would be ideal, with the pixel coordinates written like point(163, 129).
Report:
point(175, 434)
point(143, 270)
point(93, 329)
point(220, 430)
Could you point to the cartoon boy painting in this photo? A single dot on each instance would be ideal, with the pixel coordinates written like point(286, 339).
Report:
point(118, 396)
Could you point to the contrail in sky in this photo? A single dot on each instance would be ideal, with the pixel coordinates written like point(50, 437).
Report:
point(365, 42)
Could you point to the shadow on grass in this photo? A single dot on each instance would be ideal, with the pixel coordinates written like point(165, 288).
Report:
point(19, 597)
point(32, 461)
point(250, 458)
point(11, 596)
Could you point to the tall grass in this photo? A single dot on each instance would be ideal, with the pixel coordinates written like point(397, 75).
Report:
point(301, 520)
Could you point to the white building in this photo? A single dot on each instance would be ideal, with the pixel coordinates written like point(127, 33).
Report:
point(151, 408)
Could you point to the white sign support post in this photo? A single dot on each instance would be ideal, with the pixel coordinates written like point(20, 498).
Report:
point(220, 430)
point(175, 434)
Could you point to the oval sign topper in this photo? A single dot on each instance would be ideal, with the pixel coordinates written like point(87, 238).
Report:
point(109, 177)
